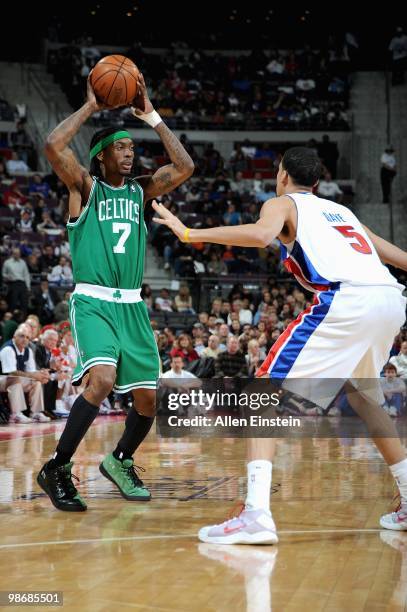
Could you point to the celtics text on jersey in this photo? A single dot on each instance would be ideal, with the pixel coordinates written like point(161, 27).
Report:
point(108, 239)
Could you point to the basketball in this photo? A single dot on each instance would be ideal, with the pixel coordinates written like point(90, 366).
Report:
point(115, 80)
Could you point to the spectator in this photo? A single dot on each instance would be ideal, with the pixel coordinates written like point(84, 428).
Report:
point(183, 300)
point(213, 349)
point(400, 361)
point(238, 185)
point(185, 349)
point(34, 323)
point(329, 190)
point(38, 187)
point(388, 172)
point(147, 296)
point(10, 323)
point(17, 276)
point(177, 372)
point(267, 194)
point(164, 302)
point(216, 265)
point(62, 273)
point(244, 314)
point(398, 50)
point(163, 350)
point(231, 363)
point(61, 310)
point(17, 361)
point(48, 225)
point(48, 259)
point(15, 164)
point(254, 357)
point(22, 143)
point(329, 154)
point(394, 390)
point(45, 298)
point(232, 217)
point(45, 361)
point(26, 221)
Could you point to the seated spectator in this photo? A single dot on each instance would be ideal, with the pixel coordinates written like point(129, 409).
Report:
point(33, 321)
point(216, 265)
point(33, 264)
point(147, 161)
point(183, 300)
point(394, 390)
point(254, 357)
point(232, 216)
point(38, 187)
point(231, 363)
point(44, 360)
point(238, 185)
point(48, 259)
point(61, 311)
point(164, 301)
point(213, 349)
point(184, 349)
point(178, 373)
point(15, 164)
point(147, 296)
point(13, 197)
point(45, 298)
point(400, 361)
point(21, 141)
point(244, 314)
point(267, 194)
point(17, 362)
point(330, 190)
point(62, 273)
point(163, 350)
point(25, 224)
point(48, 225)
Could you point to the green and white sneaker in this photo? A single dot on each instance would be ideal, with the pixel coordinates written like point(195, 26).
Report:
point(123, 474)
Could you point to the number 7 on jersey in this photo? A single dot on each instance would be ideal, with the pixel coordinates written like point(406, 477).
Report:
point(126, 229)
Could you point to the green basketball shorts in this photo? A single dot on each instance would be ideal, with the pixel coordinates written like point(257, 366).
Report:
point(111, 327)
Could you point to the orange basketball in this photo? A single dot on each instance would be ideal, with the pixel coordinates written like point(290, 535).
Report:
point(114, 80)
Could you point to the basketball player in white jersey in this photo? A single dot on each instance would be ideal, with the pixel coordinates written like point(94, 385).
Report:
point(348, 332)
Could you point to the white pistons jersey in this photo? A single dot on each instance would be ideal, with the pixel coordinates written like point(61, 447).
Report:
point(332, 247)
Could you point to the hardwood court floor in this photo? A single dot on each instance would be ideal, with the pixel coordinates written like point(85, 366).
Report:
point(327, 498)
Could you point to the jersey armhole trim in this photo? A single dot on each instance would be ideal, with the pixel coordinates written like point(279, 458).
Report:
point(83, 212)
point(290, 244)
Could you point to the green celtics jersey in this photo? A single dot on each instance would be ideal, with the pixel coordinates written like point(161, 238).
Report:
point(108, 240)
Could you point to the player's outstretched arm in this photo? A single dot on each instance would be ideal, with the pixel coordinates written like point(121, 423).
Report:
point(62, 158)
point(168, 177)
point(388, 252)
point(273, 216)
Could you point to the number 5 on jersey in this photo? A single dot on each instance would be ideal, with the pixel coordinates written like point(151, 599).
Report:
point(126, 229)
point(360, 244)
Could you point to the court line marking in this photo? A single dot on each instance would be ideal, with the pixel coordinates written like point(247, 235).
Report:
point(174, 536)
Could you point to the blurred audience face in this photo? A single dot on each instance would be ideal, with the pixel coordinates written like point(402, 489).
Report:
point(213, 342)
point(233, 345)
point(22, 336)
point(50, 339)
point(177, 363)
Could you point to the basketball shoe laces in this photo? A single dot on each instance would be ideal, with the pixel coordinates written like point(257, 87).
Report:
point(234, 513)
point(131, 473)
point(63, 481)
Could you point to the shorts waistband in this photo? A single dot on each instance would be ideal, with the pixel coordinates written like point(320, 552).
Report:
point(108, 294)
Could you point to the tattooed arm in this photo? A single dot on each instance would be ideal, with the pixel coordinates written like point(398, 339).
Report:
point(168, 177)
point(62, 158)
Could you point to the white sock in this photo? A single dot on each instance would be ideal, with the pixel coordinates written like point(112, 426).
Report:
point(399, 471)
point(258, 485)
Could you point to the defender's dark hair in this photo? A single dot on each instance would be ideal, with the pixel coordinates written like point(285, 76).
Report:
point(303, 165)
point(94, 168)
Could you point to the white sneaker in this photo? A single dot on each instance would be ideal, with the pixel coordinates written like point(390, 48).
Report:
point(396, 520)
point(250, 527)
point(20, 418)
point(40, 417)
point(60, 409)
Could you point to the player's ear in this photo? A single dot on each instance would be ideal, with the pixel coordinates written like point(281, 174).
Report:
point(99, 156)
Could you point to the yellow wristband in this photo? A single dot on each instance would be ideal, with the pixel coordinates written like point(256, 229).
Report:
point(186, 234)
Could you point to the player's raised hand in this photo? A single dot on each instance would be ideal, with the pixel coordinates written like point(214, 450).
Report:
point(141, 103)
point(170, 220)
point(92, 99)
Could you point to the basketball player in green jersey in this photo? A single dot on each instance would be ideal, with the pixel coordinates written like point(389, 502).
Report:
point(114, 341)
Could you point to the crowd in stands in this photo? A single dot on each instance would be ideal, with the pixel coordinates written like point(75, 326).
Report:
point(296, 89)
point(221, 335)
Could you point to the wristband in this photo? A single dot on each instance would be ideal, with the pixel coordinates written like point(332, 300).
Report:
point(186, 234)
point(153, 118)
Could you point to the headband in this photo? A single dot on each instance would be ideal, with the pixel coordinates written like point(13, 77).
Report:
point(106, 141)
